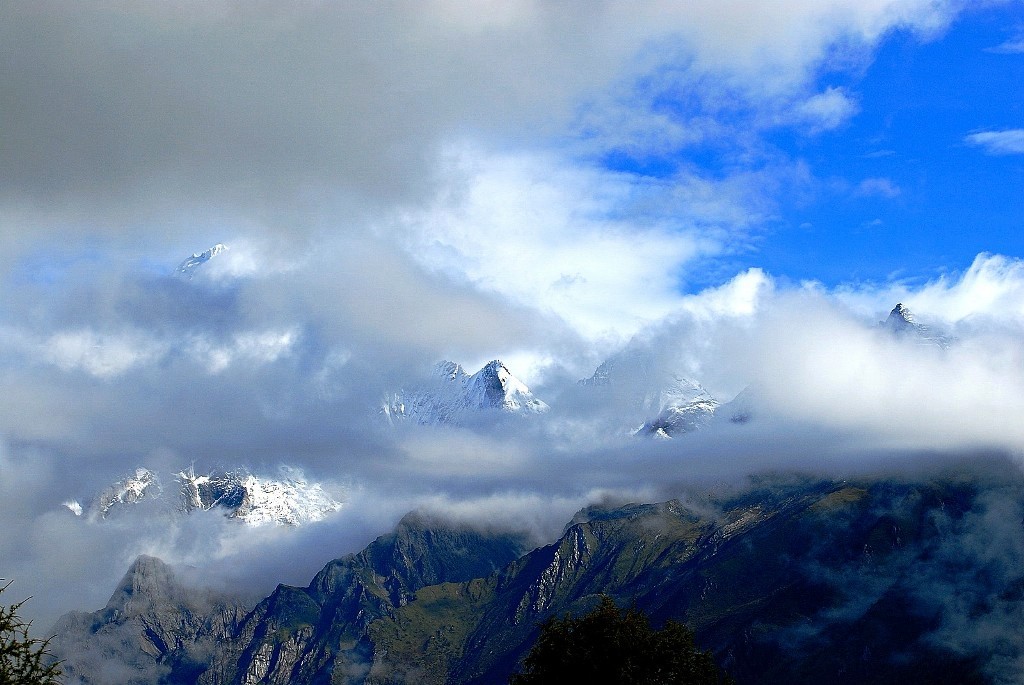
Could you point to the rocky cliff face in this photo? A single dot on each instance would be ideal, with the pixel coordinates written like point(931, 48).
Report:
point(319, 634)
point(794, 582)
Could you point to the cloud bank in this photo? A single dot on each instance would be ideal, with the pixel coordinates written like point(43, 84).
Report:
point(244, 377)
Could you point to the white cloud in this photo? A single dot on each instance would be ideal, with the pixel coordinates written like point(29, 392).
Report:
point(826, 110)
point(265, 119)
point(250, 347)
point(1005, 142)
point(817, 366)
point(741, 296)
point(1014, 46)
point(247, 258)
point(991, 289)
point(550, 236)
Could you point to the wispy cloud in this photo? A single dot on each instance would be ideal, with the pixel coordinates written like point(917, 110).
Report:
point(1014, 46)
point(827, 110)
point(878, 187)
point(1005, 142)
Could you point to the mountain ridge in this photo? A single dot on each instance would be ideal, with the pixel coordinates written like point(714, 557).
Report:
point(837, 593)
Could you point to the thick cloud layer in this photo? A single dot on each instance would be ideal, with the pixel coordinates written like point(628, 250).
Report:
point(223, 371)
point(404, 182)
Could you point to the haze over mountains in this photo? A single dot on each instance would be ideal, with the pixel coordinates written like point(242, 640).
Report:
point(253, 394)
point(651, 400)
point(455, 592)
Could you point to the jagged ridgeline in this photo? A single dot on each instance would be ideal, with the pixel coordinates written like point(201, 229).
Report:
point(794, 581)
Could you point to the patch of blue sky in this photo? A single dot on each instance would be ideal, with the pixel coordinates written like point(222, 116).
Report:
point(895, 191)
point(51, 265)
point(899, 191)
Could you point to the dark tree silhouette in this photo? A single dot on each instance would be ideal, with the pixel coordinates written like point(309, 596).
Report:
point(24, 660)
point(616, 647)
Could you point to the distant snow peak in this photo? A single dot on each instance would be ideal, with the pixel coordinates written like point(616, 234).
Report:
point(668, 403)
point(132, 489)
point(495, 387)
point(901, 319)
point(685, 406)
point(453, 397)
point(289, 499)
point(187, 269)
point(448, 370)
point(902, 323)
point(208, 491)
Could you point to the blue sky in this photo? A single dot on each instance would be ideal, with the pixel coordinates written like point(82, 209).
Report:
point(895, 190)
point(939, 201)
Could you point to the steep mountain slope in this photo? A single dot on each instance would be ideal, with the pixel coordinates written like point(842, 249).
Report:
point(318, 634)
point(793, 584)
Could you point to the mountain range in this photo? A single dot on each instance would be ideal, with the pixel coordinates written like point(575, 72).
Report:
point(788, 580)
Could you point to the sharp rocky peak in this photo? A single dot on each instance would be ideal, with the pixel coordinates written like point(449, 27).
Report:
point(147, 579)
point(901, 315)
point(902, 323)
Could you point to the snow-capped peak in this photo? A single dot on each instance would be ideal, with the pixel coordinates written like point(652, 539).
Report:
point(188, 267)
point(494, 387)
point(289, 499)
point(455, 397)
point(901, 322)
point(685, 407)
point(448, 370)
point(132, 489)
point(900, 318)
point(645, 390)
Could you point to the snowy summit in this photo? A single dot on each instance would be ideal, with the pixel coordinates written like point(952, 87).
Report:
point(902, 323)
point(187, 269)
point(453, 396)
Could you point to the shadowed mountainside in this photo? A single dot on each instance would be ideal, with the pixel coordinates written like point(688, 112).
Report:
point(792, 580)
